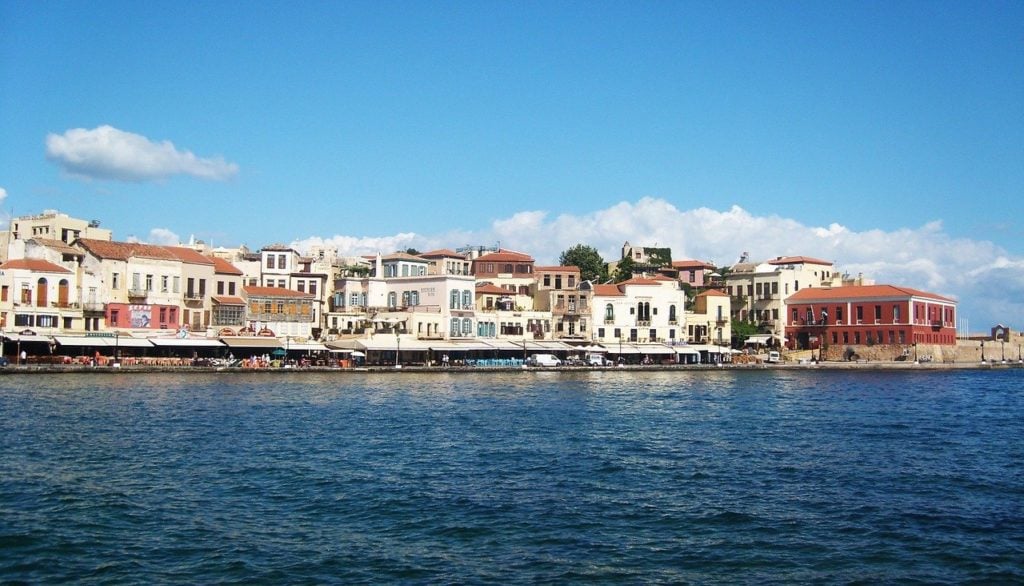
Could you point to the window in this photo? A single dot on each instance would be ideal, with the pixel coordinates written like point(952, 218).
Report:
point(405, 298)
point(572, 281)
point(618, 333)
point(896, 314)
point(282, 261)
point(270, 261)
point(878, 315)
point(136, 281)
point(220, 287)
point(508, 267)
point(164, 281)
point(467, 299)
point(312, 287)
point(467, 326)
point(609, 312)
point(149, 282)
point(177, 285)
point(414, 298)
point(202, 287)
point(300, 286)
point(860, 314)
point(190, 287)
point(454, 327)
point(231, 288)
point(558, 281)
point(392, 299)
point(454, 300)
point(547, 280)
point(600, 332)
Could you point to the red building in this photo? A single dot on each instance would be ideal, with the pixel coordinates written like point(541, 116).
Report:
point(868, 314)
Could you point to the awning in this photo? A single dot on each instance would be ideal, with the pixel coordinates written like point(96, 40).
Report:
point(186, 342)
point(710, 349)
point(309, 347)
point(654, 349)
point(761, 339)
point(129, 342)
point(84, 341)
point(460, 346)
point(503, 344)
point(15, 337)
point(252, 342)
point(685, 350)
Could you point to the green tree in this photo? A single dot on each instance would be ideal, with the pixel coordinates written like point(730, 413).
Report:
point(624, 270)
point(741, 330)
point(412, 251)
point(592, 266)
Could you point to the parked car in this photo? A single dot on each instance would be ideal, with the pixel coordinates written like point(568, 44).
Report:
point(774, 357)
point(598, 360)
point(544, 360)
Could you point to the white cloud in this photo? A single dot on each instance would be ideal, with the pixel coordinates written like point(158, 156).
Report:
point(988, 282)
point(161, 236)
point(108, 153)
point(3, 194)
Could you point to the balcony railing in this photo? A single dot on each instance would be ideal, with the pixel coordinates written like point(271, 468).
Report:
point(133, 292)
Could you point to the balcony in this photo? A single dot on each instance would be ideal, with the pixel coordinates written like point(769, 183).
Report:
point(193, 297)
point(134, 293)
point(93, 306)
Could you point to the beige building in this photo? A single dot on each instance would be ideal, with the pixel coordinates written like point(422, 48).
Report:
point(558, 292)
point(708, 322)
point(644, 310)
point(50, 225)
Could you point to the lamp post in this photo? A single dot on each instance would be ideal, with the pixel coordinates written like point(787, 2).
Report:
point(117, 348)
point(983, 351)
point(1002, 350)
point(398, 348)
point(915, 351)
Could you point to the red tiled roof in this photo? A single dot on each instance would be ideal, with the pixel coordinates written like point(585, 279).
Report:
point(796, 260)
point(860, 292)
point(124, 250)
point(58, 245)
point(691, 264)
point(442, 252)
point(713, 293)
point(36, 265)
point(608, 291)
point(189, 255)
point(492, 289)
point(273, 292)
point(403, 256)
point(224, 267)
point(645, 281)
point(504, 256)
point(228, 300)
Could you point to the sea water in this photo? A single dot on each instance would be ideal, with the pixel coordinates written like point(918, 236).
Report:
point(703, 477)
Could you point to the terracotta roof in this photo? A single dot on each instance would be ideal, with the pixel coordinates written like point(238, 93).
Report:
point(492, 289)
point(124, 250)
point(713, 293)
point(505, 255)
point(278, 247)
point(273, 292)
point(608, 291)
point(36, 265)
point(189, 255)
point(796, 260)
point(224, 267)
point(228, 300)
point(645, 281)
point(443, 252)
point(861, 292)
point(691, 264)
point(58, 245)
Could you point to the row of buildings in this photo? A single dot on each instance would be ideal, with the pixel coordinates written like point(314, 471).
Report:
point(65, 277)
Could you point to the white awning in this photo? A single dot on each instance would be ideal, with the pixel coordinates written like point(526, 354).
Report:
point(654, 349)
point(504, 345)
point(84, 341)
point(685, 350)
point(129, 342)
point(710, 349)
point(186, 342)
point(308, 347)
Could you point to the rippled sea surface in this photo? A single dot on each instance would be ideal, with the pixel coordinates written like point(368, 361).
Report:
point(704, 477)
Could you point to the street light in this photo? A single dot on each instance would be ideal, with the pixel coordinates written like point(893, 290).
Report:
point(983, 351)
point(398, 347)
point(117, 348)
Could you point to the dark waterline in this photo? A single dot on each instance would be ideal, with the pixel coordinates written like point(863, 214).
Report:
point(731, 477)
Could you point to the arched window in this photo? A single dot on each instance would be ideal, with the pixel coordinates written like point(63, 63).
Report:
point(467, 299)
point(41, 293)
point(62, 293)
point(392, 299)
point(609, 312)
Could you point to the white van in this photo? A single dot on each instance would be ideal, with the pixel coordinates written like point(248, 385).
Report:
point(774, 357)
point(544, 360)
point(595, 359)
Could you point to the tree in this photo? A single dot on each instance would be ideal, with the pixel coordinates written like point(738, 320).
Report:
point(741, 330)
point(589, 261)
point(624, 270)
point(412, 251)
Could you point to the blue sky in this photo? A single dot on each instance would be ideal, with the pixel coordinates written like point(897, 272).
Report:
point(886, 136)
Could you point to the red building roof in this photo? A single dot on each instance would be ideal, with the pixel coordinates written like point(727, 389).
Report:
point(860, 292)
point(442, 252)
point(491, 289)
point(36, 265)
point(712, 293)
point(223, 267)
point(124, 250)
point(189, 255)
point(505, 256)
point(691, 264)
